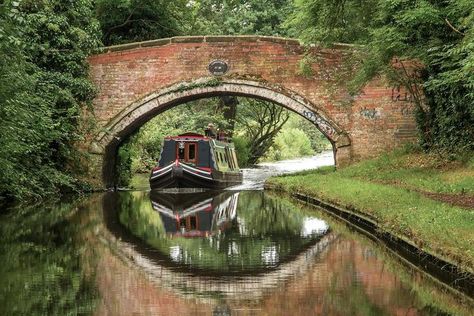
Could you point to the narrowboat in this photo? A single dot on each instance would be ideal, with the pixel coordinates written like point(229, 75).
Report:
point(193, 160)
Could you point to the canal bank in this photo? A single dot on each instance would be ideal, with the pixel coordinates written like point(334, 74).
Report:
point(404, 195)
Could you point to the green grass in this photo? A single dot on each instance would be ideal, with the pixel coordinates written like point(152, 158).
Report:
point(432, 173)
point(383, 189)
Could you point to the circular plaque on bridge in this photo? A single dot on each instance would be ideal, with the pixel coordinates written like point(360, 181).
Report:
point(218, 67)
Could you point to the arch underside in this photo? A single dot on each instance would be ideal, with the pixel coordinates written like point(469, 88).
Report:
point(106, 143)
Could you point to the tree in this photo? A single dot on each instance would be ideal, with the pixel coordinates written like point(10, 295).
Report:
point(437, 34)
point(290, 143)
point(231, 17)
point(260, 122)
point(43, 86)
point(326, 21)
point(125, 21)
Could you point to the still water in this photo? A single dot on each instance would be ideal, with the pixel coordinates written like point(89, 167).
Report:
point(234, 252)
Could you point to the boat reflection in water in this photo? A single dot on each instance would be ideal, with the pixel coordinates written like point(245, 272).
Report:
point(195, 214)
point(225, 233)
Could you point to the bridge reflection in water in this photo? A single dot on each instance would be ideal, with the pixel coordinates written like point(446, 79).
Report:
point(241, 253)
point(221, 233)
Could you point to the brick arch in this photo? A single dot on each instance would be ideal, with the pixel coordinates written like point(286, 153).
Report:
point(139, 80)
point(133, 116)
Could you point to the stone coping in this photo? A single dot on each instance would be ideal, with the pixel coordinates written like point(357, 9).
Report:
point(211, 39)
point(200, 39)
point(219, 39)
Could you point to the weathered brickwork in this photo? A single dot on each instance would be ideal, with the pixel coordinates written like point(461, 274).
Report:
point(138, 81)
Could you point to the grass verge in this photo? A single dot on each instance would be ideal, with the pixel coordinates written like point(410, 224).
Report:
point(391, 189)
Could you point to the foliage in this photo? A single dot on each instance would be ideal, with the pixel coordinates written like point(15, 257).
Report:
point(236, 17)
point(438, 34)
point(242, 148)
point(43, 85)
point(298, 137)
point(124, 165)
point(290, 143)
point(125, 21)
point(260, 122)
point(329, 21)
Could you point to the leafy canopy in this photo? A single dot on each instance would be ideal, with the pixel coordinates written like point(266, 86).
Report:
point(43, 86)
point(439, 34)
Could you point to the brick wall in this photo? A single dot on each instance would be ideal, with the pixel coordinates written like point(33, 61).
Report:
point(376, 120)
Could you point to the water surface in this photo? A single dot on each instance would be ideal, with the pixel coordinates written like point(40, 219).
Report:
point(232, 252)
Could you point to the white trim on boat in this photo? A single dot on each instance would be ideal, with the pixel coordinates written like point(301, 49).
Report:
point(163, 169)
point(160, 174)
point(197, 175)
point(201, 206)
point(195, 169)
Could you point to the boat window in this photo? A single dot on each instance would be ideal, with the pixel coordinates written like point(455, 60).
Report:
point(191, 152)
point(234, 158)
point(187, 152)
point(229, 158)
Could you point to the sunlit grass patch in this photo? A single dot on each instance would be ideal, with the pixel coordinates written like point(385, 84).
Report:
point(417, 171)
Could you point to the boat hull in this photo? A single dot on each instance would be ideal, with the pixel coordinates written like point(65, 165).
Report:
point(183, 176)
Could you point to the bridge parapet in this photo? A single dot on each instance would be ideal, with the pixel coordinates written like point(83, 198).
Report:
point(200, 39)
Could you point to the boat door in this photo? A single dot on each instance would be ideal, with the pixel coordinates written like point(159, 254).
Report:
point(186, 152)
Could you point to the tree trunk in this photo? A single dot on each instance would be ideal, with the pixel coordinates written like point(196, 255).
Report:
point(228, 105)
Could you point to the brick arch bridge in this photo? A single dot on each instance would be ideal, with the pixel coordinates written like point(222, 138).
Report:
point(141, 80)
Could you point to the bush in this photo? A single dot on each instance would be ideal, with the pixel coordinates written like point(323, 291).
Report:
point(290, 143)
point(242, 149)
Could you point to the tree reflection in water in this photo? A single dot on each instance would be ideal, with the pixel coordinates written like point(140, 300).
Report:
point(223, 232)
point(41, 271)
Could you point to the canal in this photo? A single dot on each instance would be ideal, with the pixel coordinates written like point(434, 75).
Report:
point(243, 251)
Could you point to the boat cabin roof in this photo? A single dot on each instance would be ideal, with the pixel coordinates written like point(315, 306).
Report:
point(190, 136)
point(187, 136)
